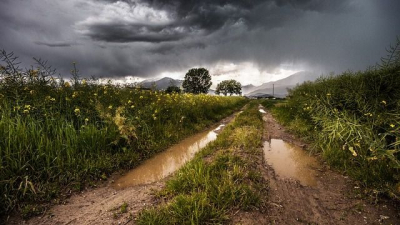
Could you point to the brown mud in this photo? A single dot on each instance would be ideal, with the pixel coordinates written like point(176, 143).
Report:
point(331, 198)
point(102, 205)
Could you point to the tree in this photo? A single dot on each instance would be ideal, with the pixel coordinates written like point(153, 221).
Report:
point(229, 86)
point(173, 89)
point(197, 80)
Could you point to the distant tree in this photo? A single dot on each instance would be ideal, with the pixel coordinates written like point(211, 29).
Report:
point(172, 89)
point(197, 80)
point(229, 87)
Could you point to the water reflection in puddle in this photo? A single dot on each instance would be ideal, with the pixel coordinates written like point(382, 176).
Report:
point(168, 161)
point(290, 161)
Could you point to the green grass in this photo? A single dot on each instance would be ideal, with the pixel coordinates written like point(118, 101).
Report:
point(58, 136)
point(221, 178)
point(353, 120)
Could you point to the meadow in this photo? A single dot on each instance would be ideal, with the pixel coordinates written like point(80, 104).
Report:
point(59, 136)
point(353, 120)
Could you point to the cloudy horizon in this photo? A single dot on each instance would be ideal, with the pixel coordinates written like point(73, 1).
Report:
point(251, 41)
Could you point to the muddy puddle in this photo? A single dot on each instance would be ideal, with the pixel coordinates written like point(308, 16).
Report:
point(290, 161)
point(165, 163)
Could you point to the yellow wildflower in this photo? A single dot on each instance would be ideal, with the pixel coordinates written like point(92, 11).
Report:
point(77, 111)
point(87, 120)
point(383, 102)
point(84, 82)
point(110, 107)
point(67, 84)
point(26, 111)
point(392, 125)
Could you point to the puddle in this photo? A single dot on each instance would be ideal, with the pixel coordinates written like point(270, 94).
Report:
point(165, 163)
point(290, 161)
point(262, 111)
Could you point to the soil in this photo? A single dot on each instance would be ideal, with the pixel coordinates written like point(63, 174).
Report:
point(102, 205)
point(334, 199)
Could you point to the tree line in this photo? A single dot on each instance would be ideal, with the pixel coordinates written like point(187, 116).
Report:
point(198, 80)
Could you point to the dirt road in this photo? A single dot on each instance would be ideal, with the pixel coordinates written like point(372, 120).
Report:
point(332, 200)
point(105, 204)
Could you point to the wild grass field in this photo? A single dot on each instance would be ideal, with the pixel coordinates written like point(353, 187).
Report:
point(58, 135)
point(353, 119)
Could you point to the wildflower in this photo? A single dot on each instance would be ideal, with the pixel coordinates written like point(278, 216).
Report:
point(154, 118)
point(52, 99)
point(28, 107)
point(383, 102)
point(67, 99)
point(67, 84)
point(86, 120)
point(110, 107)
point(352, 151)
point(84, 82)
point(141, 97)
point(26, 111)
point(75, 94)
point(32, 92)
point(95, 94)
point(77, 111)
point(392, 125)
point(129, 102)
point(132, 106)
point(329, 94)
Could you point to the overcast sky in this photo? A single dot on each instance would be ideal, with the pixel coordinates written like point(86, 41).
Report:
point(252, 41)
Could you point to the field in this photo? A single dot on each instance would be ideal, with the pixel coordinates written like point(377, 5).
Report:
point(352, 120)
point(59, 136)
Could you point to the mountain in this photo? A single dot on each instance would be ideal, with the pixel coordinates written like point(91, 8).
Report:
point(281, 86)
point(161, 84)
point(248, 88)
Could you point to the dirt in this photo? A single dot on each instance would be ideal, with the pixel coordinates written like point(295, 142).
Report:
point(102, 205)
point(333, 200)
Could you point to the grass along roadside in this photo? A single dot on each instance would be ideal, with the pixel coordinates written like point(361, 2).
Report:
point(59, 136)
point(353, 120)
point(222, 177)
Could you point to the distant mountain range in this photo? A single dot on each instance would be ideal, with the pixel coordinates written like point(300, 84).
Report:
point(161, 84)
point(280, 86)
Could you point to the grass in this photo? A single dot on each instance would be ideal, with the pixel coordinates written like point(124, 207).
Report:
point(353, 120)
point(59, 136)
point(220, 179)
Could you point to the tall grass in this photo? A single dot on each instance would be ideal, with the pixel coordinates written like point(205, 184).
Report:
point(354, 120)
point(58, 135)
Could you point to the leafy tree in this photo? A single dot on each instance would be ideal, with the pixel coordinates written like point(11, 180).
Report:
point(229, 86)
point(172, 89)
point(197, 80)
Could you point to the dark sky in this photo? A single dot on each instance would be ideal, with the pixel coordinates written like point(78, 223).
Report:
point(250, 40)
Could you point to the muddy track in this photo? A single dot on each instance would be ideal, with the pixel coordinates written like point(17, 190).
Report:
point(102, 205)
point(331, 201)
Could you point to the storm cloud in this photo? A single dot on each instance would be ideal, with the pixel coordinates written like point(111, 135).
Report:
point(145, 38)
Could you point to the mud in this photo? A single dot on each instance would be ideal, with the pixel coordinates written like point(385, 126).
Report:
point(167, 162)
point(333, 199)
point(102, 205)
point(290, 161)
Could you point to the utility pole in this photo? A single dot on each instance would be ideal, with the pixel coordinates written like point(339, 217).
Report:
point(273, 90)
